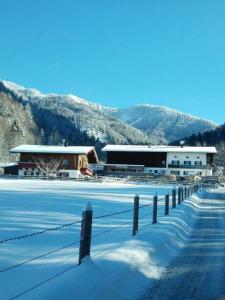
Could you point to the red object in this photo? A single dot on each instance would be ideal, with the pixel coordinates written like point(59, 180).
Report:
point(86, 171)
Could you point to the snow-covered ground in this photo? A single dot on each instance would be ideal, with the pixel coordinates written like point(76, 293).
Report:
point(198, 272)
point(121, 267)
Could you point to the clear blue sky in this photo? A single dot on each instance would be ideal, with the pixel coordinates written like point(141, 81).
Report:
point(119, 52)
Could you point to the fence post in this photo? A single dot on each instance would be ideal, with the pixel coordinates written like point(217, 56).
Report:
point(85, 234)
point(179, 195)
point(167, 197)
point(185, 192)
point(174, 198)
point(154, 210)
point(135, 215)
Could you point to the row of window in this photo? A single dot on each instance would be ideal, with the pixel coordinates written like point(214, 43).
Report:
point(184, 173)
point(187, 162)
point(48, 160)
point(187, 157)
point(37, 173)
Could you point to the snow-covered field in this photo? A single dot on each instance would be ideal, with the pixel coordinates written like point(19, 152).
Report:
point(121, 267)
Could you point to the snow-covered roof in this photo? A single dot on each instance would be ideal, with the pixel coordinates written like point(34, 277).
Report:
point(5, 164)
point(160, 148)
point(52, 149)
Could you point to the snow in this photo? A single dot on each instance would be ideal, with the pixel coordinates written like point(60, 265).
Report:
point(120, 267)
point(198, 271)
point(159, 148)
point(52, 149)
point(87, 206)
point(22, 91)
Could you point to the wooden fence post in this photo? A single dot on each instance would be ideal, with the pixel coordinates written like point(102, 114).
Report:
point(85, 234)
point(135, 214)
point(179, 195)
point(167, 197)
point(185, 192)
point(154, 209)
point(174, 198)
point(188, 192)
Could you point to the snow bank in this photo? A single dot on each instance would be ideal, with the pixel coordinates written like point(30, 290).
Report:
point(120, 267)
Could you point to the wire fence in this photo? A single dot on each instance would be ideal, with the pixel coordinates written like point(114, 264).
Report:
point(178, 196)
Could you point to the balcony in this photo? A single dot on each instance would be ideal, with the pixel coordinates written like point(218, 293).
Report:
point(182, 166)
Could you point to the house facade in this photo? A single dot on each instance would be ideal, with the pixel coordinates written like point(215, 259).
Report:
point(56, 161)
point(160, 160)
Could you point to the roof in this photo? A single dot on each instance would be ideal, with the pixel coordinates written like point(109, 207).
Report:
point(5, 164)
point(124, 165)
point(52, 149)
point(160, 148)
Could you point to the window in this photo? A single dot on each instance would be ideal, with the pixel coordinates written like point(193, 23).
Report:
point(65, 162)
point(187, 162)
point(156, 171)
point(187, 156)
point(198, 163)
point(177, 173)
point(175, 162)
point(186, 173)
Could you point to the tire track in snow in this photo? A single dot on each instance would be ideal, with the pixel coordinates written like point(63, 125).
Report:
point(199, 271)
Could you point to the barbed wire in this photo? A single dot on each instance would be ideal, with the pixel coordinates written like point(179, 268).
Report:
point(71, 244)
point(43, 282)
point(39, 256)
point(69, 224)
point(38, 232)
point(111, 229)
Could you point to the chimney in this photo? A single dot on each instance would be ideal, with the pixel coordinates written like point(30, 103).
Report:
point(182, 144)
point(64, 142)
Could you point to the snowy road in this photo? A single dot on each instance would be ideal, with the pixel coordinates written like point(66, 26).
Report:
point(199, 271)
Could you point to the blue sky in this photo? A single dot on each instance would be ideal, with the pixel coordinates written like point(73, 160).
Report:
point(119, 52)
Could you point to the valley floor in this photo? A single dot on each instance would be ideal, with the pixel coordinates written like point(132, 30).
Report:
point(121, 267)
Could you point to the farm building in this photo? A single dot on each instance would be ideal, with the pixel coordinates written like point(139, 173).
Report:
point(9, 168)
point(160, 160)
point(60, 161)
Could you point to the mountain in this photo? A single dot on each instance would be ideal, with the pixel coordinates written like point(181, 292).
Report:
point(29, 116)
point(161, 122)
point(49, 119)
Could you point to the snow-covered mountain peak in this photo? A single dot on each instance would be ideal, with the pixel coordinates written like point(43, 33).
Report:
point(140, 123)
point(21, 91)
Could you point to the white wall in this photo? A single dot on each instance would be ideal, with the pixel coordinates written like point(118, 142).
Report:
point(72, 173)
point(182, 157)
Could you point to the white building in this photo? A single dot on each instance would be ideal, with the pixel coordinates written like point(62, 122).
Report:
point(160, 160)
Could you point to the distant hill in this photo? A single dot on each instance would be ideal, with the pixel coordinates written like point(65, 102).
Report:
point(29, 116)
point(49, 119)
point(161, 122)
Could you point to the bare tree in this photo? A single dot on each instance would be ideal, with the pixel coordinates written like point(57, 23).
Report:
point(50, 167)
